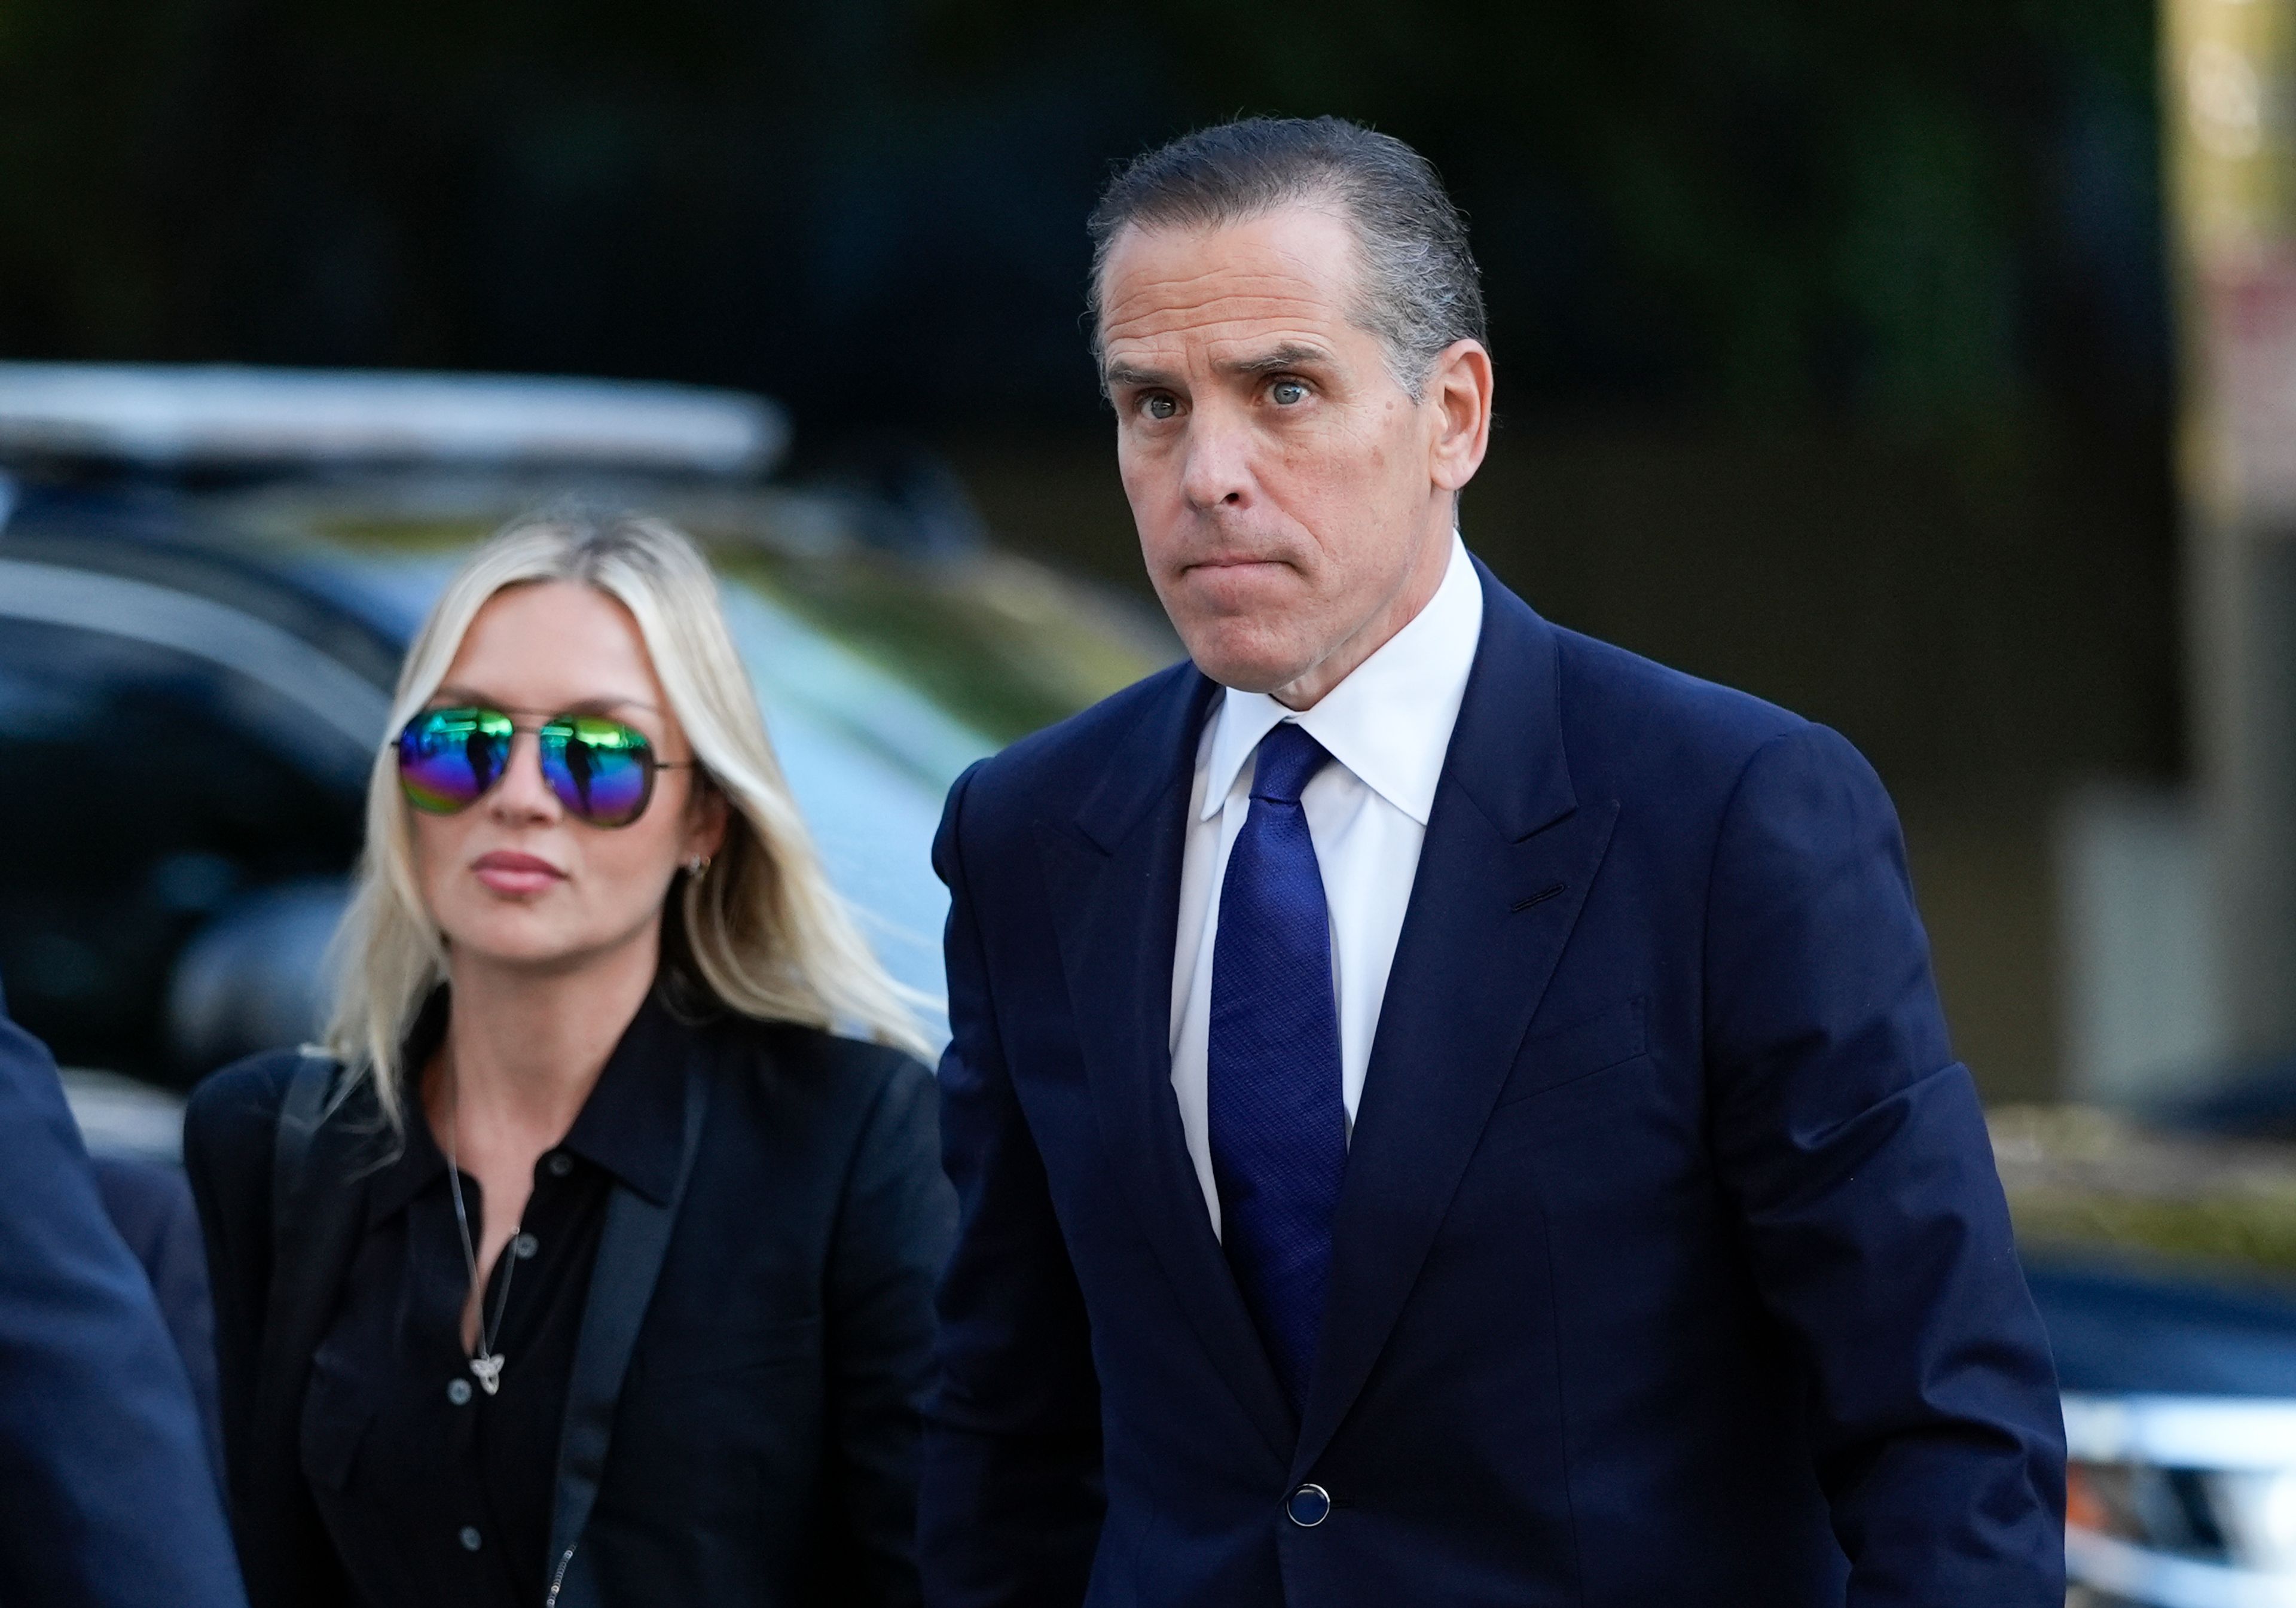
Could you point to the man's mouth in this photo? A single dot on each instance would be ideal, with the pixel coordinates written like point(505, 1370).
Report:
point(1235, 561)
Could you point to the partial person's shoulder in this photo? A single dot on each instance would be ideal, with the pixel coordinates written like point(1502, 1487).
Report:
point(1636, 718)
point(1064, 762)
point(814, 1067)
point(235, 1108)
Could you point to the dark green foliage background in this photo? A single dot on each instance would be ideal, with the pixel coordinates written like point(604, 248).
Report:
point(1928, 213)
point(1832, 338)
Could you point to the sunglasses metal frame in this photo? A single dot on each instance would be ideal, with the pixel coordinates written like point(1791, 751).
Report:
point(538, 726)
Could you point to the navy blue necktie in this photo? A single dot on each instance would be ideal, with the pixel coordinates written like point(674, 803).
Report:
point(1279, 1135)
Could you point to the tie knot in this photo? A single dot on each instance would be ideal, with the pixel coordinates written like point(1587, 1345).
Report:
point(1288, 759)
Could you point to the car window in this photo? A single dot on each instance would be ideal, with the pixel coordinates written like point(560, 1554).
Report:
point(144, 788)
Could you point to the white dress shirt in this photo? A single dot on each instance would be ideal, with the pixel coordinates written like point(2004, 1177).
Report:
point(1387, 727)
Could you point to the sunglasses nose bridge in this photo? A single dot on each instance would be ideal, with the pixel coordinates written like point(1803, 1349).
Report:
point(522, 786)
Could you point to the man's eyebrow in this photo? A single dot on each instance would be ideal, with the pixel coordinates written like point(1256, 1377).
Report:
point(1124, 373)
point(1292, 354)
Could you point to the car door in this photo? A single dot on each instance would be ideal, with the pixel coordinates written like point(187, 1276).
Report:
point(167, 762)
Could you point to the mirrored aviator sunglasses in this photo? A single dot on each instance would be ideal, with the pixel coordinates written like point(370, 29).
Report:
point(600, 770)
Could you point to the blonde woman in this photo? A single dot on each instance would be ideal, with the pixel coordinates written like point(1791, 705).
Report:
point(588, 1264)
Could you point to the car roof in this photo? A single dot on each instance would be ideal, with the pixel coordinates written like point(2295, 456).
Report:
point(222, 416)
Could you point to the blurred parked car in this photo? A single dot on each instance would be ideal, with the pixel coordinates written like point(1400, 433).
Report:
point(2163, 1259)
point(207, 578)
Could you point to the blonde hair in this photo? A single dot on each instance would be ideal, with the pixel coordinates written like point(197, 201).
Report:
point(759, 928)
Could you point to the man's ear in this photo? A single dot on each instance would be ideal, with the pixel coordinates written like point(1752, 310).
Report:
point(1460, 385)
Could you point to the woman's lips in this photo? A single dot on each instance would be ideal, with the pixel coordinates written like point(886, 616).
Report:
point(507, 873)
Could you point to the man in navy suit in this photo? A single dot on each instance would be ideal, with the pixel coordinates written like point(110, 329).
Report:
point(1444, 1111)
point(107, 1498)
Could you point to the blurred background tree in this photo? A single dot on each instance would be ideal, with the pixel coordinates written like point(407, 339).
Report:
point(1930, 215)
point(1832, 342)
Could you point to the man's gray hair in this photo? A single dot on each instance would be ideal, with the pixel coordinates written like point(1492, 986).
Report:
point(1421, 290)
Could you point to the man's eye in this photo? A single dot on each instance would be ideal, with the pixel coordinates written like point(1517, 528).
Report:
point(1158, 406)
point(1287, 393)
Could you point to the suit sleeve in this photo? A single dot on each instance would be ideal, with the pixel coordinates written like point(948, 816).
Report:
point(1011, 1502)
point(229, 1129)
point(892, 1235)
point(151, 1205)
point(111, 1497)
point(1857, 1156)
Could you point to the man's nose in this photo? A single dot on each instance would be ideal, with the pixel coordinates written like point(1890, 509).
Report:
point(1218, 468)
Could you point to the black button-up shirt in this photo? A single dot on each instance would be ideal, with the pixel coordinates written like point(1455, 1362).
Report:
point(431, 1489)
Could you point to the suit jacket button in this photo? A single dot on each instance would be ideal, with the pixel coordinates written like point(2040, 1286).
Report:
point(1310, 1506)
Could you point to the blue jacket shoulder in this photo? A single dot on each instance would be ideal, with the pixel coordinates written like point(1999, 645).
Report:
point(1630, 721)
point(1057, 767)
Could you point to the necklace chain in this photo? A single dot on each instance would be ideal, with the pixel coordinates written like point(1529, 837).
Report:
point(487, 1363)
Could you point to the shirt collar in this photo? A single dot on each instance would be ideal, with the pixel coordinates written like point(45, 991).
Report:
point(416, 1164)
point(1390, 722)
point(632, 1125)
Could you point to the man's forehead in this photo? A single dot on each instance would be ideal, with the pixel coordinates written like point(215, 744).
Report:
point(1227, 327)
point(1287, 272)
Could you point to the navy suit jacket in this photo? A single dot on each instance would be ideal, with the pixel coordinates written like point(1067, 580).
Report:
point(150, 1205)
point(1670, 1264)
point(106, 1493)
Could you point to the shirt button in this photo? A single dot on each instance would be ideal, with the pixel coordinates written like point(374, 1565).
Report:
point(469, 1538)
point(458, 1391)
point(559, 1164)
point(525, 1245)
point(1310, 1506)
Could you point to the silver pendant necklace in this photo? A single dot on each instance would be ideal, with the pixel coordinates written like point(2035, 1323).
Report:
point(488, 1363)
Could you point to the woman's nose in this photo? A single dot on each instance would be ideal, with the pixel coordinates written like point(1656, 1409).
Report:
point(523, 791)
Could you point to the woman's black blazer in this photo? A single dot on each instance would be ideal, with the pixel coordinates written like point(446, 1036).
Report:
point(750, 1434)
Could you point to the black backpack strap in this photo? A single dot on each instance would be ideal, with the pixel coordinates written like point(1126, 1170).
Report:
point(630, 1252)
point(300, 1114)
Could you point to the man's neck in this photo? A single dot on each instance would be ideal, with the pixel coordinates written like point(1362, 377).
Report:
point(1419, 586)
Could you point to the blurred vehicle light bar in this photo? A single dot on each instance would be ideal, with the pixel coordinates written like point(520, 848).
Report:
point(222, 416)
point(2133, 1575)
point(2182, 1501)
point(2182, 1432)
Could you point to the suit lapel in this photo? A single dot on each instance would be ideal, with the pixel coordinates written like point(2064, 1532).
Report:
point(1114, 877)
point(1504, 870)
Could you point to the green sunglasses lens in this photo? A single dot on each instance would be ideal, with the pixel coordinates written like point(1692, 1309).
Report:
point(601, 769)
point(448, 758)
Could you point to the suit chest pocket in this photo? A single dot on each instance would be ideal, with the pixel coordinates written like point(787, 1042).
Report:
point(1564, 1055)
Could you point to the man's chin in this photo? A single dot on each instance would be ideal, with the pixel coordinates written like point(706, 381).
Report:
point(1266, 589)
point(1245, 669)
